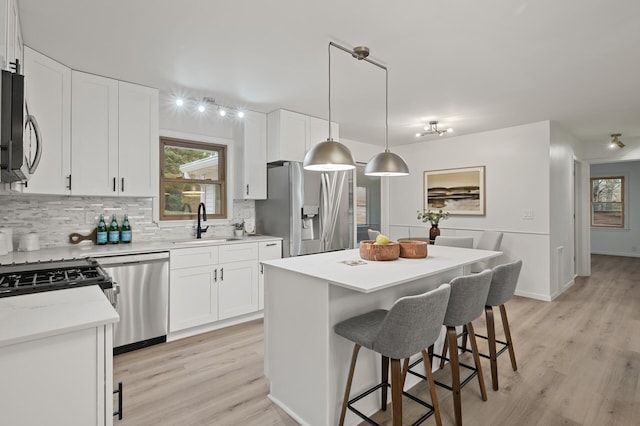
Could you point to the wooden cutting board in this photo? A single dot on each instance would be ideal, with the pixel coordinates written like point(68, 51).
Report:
point(75, 238)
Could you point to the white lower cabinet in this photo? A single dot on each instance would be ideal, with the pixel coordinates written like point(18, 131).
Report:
point(238, 288)
point(268, 250)
point(213, 283)
point(68, 377)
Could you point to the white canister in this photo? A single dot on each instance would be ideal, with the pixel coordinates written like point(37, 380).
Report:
point(3, 244)
point(29, 242)
point(9, 233)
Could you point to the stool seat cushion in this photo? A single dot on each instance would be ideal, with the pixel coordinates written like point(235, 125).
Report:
point(362, 329)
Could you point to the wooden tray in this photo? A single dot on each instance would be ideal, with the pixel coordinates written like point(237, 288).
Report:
point(370, 251)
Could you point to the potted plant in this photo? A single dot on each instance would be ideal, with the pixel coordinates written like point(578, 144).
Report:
point(239, 229)
point(433, 218)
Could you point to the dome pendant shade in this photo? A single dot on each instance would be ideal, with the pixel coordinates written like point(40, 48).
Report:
point(329, 155)
point(386, 164)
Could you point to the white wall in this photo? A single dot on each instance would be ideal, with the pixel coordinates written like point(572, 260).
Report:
point(517, 178)
point(563, 149)
point(620, 242)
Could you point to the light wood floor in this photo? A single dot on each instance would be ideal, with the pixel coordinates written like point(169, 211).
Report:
point(578, 364)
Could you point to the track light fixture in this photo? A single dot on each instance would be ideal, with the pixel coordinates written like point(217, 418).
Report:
point(205, 104)
point(432, 129)
point(615, 141)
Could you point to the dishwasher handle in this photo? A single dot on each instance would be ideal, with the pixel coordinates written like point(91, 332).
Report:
point(132, 259)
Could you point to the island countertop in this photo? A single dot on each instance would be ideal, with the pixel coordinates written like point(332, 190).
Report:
point(372, 276)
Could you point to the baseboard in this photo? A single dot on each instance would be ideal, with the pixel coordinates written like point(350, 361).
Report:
point(613, 253)
point(287, 410)
point(537, 296)
point(181, 334)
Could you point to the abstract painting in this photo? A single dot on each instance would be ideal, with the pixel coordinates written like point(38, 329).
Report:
point(457, 191)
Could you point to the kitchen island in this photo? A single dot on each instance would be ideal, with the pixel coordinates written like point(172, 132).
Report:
point(305, 361)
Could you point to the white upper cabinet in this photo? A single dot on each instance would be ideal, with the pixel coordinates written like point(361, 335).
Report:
point(250, 147)
point(290, 134)
point(287, 135)
point(10, 34)
point(48, 100)
point(94, 135)
point(114, 137)
point(138, 126)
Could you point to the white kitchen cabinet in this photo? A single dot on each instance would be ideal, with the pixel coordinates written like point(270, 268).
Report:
point(138, 146)
point(268, 250)
point(250, 150)
point(193, 294)
point(237, 288)
point(69, 378)
point(94, 134)
point(290, 134)
point(114, 137)
point(212, 283)
point(10, 34)
point(48, 99)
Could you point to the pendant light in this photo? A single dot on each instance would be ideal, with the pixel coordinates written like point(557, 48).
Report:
point(386, 163)
point(329, 155)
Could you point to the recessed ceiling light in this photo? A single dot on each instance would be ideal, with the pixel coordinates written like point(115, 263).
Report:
point(179, 102)
point(223, 113)
point(201, 108)
point(240, 114)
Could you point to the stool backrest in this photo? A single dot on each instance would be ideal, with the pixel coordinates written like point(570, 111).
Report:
point(468, 294)
point(490, 240)
point(464, 242)
point(503, 283)
point(412, 324)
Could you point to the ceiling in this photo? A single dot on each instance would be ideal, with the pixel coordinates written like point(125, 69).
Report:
point(474, 66)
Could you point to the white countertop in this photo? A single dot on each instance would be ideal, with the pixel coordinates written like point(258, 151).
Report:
point(34, 316)
point(88, 249)
point(373, 276)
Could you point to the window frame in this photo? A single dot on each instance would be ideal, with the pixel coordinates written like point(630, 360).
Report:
point(621, 202)
point(222, 176)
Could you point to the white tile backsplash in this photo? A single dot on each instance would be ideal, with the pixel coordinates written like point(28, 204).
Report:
point(55, 217)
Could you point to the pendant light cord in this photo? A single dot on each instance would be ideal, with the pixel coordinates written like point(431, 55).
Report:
point(386, 112)
point(329, 49)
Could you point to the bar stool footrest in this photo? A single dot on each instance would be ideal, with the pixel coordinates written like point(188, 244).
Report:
point(474, 372)
point(380, 386)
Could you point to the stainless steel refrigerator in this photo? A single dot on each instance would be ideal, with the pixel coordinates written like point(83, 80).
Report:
point(311, 211)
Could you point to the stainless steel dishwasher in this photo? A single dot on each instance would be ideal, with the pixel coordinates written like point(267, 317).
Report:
point(143, 302)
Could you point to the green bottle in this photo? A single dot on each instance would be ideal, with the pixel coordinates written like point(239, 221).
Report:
point(114, 231)
point(101, 237)
point(125, 230)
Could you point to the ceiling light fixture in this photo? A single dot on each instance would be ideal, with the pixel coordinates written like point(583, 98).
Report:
point(432, 129)
point(201, 105)
point(615, 141)
point(330, 155)
point(385, 163)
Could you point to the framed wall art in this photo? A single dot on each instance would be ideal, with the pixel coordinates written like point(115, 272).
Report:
point(457, 191)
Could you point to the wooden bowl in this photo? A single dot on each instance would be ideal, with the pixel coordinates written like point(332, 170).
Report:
point(370, 251)
point(412, 249)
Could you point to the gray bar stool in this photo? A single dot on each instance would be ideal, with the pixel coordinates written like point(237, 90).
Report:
point(503, 286)
point(412, 324)
point(468, 294)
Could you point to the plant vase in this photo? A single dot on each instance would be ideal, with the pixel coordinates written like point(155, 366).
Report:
point(434, 232)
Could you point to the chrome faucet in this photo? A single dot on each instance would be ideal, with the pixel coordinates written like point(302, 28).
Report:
point(199, 229)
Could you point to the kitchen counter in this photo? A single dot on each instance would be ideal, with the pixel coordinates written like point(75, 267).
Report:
point(306, 296)
point(87, 249)
point(38, 315)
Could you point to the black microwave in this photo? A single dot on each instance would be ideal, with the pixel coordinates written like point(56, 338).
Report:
point(13, 166)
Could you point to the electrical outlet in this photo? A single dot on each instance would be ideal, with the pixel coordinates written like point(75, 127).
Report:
point(527, 214)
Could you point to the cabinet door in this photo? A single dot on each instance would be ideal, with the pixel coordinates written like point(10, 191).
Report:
point(237, 288)
point(287, 136)
point(4, 33)
point(251, 157)
point(193, 298)
point(137, 140)
point(268, 250)
point(48, 98)
point(94, 134)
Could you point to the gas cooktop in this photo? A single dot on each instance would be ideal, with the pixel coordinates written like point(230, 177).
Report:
point(25, 278)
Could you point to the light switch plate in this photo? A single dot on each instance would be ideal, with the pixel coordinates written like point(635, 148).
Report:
point(527, 214)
